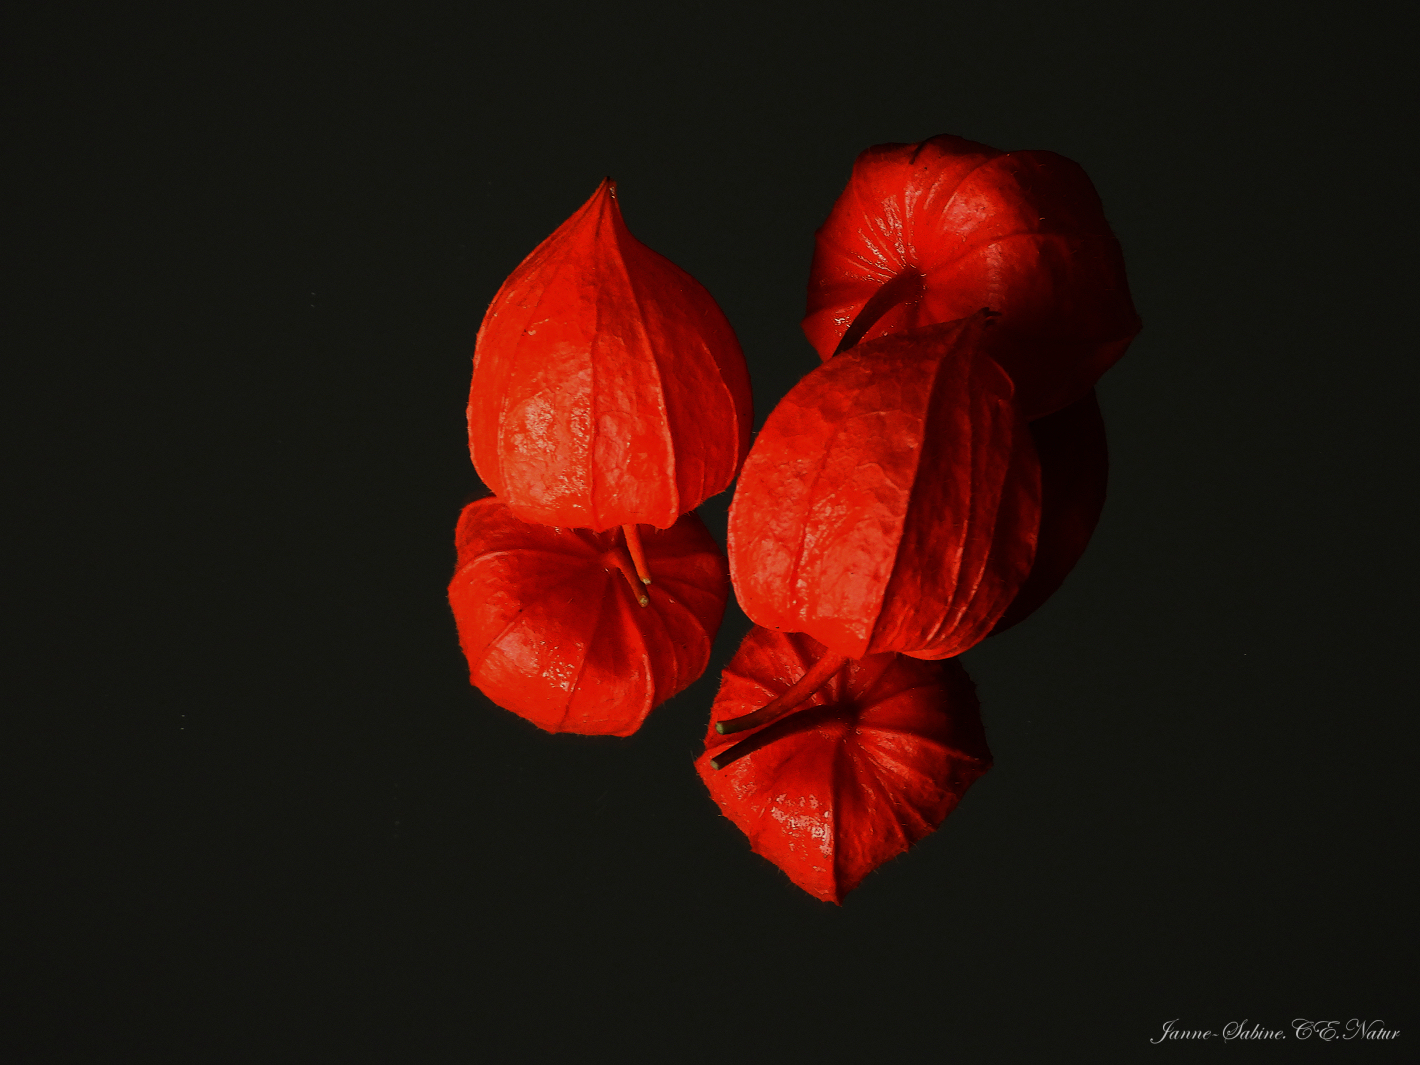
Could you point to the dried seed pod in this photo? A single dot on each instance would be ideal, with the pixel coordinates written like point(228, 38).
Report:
point(891, 501)
point(558, 628)
point(608, 388)
point(930, 232)
point(876, 759)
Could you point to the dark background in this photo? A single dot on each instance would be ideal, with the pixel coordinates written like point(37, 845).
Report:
point(263, 817)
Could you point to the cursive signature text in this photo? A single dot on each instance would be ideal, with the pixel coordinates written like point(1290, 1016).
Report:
point(1251, 1031)
point(1355, 1028)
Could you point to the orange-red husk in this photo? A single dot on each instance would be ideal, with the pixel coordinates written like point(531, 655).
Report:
point(608, 388)
point(1022, 233)
point(891, 501)
point(876, 759)
point(552, 629)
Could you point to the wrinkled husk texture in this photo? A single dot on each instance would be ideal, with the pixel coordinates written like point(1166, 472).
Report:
point(877, 759)
point(891, 501)
point(1022, 233)
point(608, 388)
point(553, 632)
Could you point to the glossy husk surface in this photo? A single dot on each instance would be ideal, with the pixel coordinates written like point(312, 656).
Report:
point(608, 388)
point(1022, 233)
point(891, 501)
point(553, 632)
point(876, 760)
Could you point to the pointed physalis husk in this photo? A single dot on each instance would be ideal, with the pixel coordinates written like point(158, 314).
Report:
point(875, 760)
point(608, 388)
point(891, 501)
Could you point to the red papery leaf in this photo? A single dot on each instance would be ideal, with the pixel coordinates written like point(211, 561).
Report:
point(876, 760)
point(608, 388)
point(955, 226)
point(552, 628)
point(891, 501)
point(1074, 472)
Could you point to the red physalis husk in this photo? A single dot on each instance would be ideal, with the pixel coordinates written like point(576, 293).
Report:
point(876, 760)
point(608, 388)
point(1074, 471)
point(938, 229)
point(551, 625)
point(891, 501)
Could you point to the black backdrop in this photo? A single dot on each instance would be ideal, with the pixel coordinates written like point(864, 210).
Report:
point(262, 815)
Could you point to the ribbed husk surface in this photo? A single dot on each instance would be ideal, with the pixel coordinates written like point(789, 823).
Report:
point(880, 755)
point(891, 501)
point(608, 388)
point(553, 632)
point(1022, 233)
